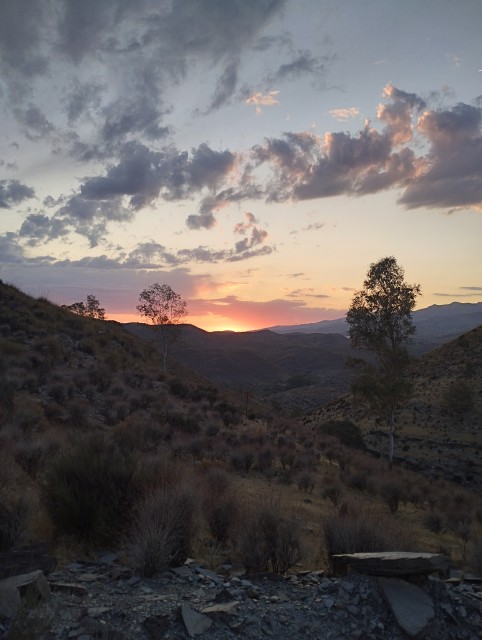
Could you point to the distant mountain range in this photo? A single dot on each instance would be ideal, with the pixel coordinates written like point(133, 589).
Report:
point(435, 324)
point(299, 367)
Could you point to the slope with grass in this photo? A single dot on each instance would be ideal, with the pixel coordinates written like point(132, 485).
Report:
point(100, 448)
point(439, 428)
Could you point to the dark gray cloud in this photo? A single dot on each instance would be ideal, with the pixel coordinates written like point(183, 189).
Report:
point(145, 175)
point(34, 123)
point(13, 192)
point(201, 221)
point(450, 175)
point(303, 63)
point(472, 288)
point(145, 46)
point(38, 228)
point(225, 86)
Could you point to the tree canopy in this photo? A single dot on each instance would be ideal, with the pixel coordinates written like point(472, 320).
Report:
point(380, 321)
point(90, 308)
point(165, 309)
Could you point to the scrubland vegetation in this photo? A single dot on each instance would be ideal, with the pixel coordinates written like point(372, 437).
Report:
point(102, 449)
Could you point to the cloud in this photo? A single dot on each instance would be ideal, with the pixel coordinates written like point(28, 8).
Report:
point(449, 175)
point(145, 175)
point(265, 314)
point(266, 100)
point(225, 86)
point(303, 63)
point(344, 114)
point(458, 295)
point(305, 166)
point(472, 288)
point(13, 192)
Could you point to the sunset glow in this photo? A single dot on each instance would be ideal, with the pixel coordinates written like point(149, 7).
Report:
point(258, 170)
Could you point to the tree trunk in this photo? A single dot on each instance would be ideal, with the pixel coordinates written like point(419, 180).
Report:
point(391, 433)
point(164, 359)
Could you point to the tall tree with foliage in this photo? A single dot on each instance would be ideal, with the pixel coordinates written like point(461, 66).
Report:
point(166, 310)
point(89, 309)
point(380, 321)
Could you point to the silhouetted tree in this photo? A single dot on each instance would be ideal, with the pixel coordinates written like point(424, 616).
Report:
point(89, 309)
point(165, 309)
point(380, 321)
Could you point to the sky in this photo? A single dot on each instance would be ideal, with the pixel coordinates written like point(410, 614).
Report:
point(255, 155)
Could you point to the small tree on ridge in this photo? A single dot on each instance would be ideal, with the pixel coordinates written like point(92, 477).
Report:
point(165, 309)
point(89, 309)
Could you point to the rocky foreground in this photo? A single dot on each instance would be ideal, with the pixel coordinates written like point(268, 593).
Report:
point(106, 600)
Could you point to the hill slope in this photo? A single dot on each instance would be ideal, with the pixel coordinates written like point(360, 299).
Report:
point(293, 370)
point(440, 425)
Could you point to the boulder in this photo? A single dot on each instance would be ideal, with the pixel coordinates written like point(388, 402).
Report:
point(412, 607)
point(14, 587)
point(391, 563)
point(196, 623)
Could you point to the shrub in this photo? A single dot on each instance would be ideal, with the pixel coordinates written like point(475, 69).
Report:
point(13, 522)
point(163, 530)
point(352, 533)
point(333, 492)
point(391, 493)
point(269, 541)
point(459, 398)
point(433, 522)
point(347, 433)
point(306, 482)
point(220, 517)
point(88, 491)
point(264, 460)
point(476, 558)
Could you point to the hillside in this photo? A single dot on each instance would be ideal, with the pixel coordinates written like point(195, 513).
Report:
point(439, 427)
point(100, 450)
point(293, 371)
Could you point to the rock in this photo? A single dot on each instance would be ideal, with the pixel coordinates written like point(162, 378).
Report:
point(34, 583)
point(412, 607)
point(391, 563)
point(156, 626)
point(195, 622)
point(226, 608)
point(69, 587)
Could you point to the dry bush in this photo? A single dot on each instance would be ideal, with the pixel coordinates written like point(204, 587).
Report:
point(333, 491)
point(14, 517)
point(221, 517)
point(87, 491)
point(163, 529)
point(391, 493)
point(476, 558)
point(268, 541)
point(352, 532)
point(306, 482)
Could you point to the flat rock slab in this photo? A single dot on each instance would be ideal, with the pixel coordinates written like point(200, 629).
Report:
point(391, 563)
point(412, 607)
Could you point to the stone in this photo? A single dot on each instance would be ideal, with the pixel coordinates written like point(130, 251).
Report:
point(69, 587)
point(182, 572)
point(13, 588)
point(412, 607)
point(156, 626)
point(196, 623)
point(226, 608)
point(391, 563)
